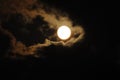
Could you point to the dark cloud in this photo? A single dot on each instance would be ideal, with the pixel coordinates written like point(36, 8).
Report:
point(32, 25)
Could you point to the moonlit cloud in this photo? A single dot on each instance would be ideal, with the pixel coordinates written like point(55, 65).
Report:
point(52, 16)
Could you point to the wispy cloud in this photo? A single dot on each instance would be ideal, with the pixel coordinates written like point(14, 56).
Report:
point(52, 16)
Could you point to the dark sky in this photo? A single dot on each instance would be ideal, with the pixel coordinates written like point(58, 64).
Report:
point(94, 54)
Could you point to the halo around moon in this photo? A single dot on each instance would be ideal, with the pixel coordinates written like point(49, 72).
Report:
point(64, 32)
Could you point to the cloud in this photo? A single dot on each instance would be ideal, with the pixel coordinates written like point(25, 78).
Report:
point(54, 18)
point(18, 48)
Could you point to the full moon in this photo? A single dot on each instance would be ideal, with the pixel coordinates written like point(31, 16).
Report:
point(64, 32)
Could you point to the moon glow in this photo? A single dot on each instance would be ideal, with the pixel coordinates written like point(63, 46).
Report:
point(64, 32)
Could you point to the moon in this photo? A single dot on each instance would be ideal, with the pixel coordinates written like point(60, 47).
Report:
point(64, 32)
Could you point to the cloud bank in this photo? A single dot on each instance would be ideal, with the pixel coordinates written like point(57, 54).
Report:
point(54, 18)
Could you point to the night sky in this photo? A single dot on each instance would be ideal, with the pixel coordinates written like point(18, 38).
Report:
point(95, 52)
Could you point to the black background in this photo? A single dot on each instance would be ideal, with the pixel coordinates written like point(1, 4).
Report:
point(97, 53)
